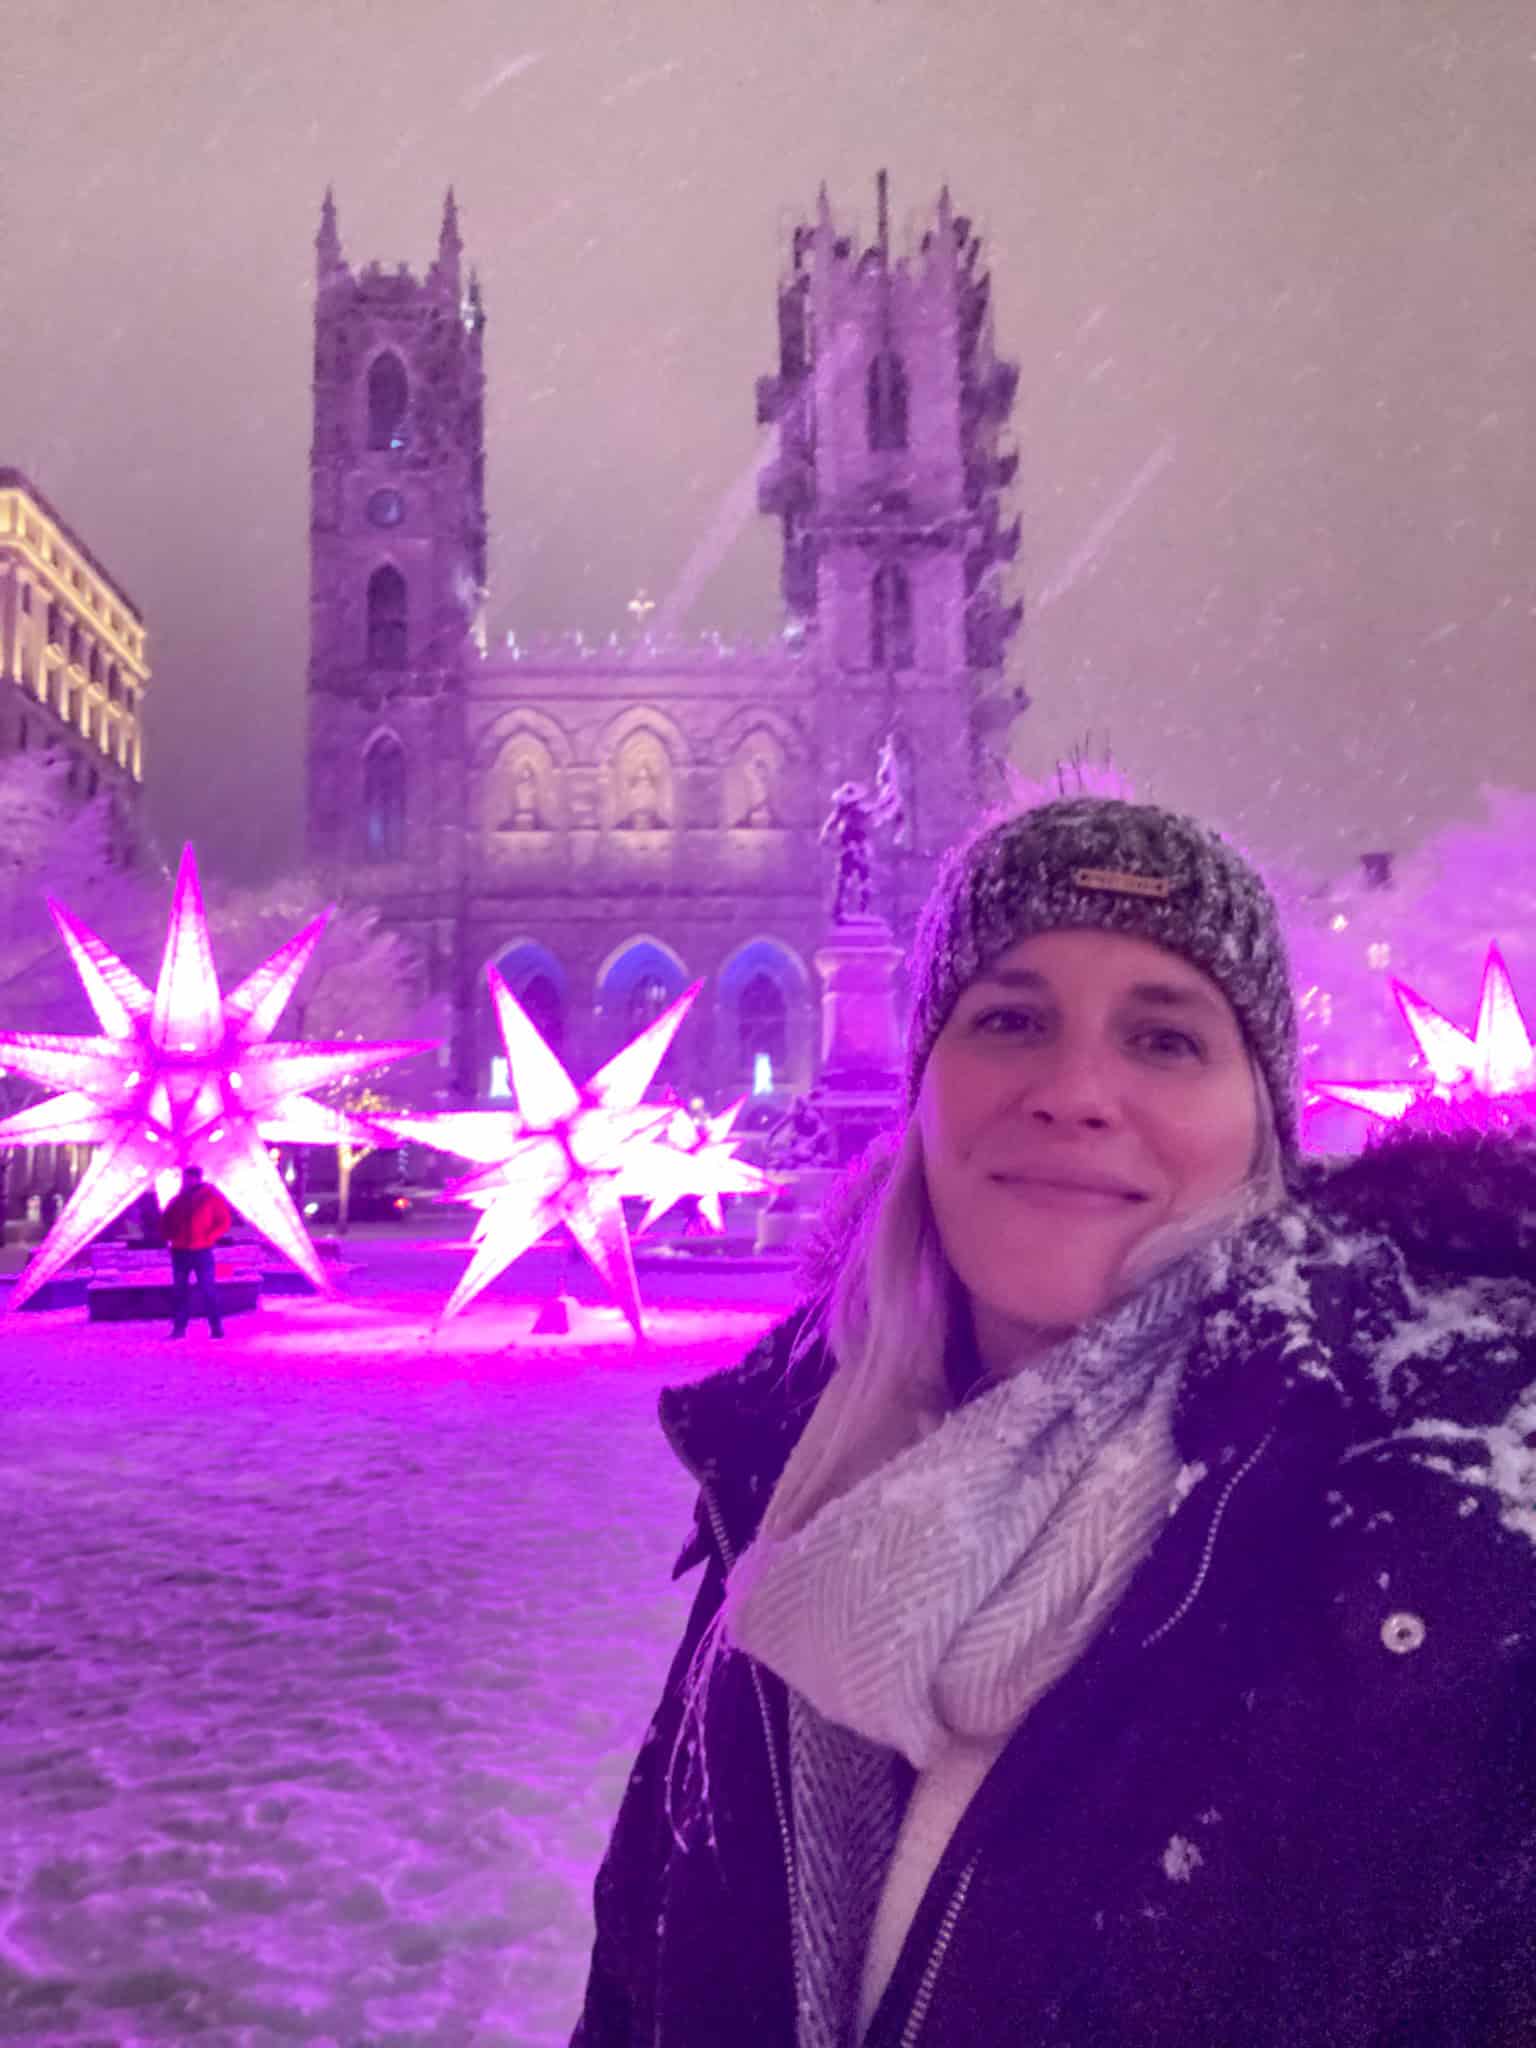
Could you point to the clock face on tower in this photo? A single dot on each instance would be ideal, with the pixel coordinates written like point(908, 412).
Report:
point(386, 508)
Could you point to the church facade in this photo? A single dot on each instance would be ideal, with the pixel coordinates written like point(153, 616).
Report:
point(609, 824)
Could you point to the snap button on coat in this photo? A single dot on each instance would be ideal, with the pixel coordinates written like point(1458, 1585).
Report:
point(1403, 1633)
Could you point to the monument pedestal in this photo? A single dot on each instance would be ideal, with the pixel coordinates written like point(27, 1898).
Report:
point(785, 1222)
point(859, 1093)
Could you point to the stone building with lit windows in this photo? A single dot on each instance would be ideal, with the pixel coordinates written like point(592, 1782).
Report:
point(608, 824)
point(73, 661)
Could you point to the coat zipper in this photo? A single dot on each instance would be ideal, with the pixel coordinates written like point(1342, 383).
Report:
point(1210, 1543)
point(925, 1990)
point(941, 1941)
point(780, 1807)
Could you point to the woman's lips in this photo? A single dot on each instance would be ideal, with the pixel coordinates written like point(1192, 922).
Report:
point(1050, 1191)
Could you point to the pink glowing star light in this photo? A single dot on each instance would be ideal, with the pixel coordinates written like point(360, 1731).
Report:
point(570, 1155)
point(182, 1075)
point(1497, 1060)
point(697, 1157)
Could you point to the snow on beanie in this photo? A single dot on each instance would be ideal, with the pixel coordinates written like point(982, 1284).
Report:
point(1092, 863)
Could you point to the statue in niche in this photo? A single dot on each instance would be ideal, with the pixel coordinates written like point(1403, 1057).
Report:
point(525, 815)
point(849, 825)
point(757, 773)
point(642, 798)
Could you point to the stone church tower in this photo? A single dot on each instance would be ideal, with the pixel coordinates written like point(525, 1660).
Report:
point(397, 578)
point(609, 824)
point(890, 401)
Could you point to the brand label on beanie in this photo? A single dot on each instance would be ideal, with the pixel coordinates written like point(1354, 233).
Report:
point(1115, 882)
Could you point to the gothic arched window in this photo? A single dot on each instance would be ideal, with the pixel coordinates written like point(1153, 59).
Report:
point(387, 618)
point(763, 1023)
point(890, 622)
point(886, 396)
point(647, 999)
point(389, 397)
point(384, 800)
point(541, 999)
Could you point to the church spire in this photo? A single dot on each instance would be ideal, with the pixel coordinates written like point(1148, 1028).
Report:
point(450, 246)
point(328, 256)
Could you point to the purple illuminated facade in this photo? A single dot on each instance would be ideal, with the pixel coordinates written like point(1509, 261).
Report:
point(606, 825)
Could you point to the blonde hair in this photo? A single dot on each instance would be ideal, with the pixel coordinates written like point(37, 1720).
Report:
point(886, 1316)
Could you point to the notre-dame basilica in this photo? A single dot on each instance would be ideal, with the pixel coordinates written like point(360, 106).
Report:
point(609, 824)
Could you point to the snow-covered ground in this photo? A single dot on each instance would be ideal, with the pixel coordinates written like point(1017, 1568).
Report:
point(323, 1655)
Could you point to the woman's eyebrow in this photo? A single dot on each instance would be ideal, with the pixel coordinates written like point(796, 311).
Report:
point(1165, 995)
point(1014, 977)
point(1168, 995)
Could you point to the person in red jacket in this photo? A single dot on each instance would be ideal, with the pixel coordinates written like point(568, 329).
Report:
point(193, 1223)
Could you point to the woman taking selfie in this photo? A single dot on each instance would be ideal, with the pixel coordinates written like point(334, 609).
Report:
point(1118, 1622)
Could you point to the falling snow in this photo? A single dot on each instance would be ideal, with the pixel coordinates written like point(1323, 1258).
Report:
point(1289, 245)
point(504, 76)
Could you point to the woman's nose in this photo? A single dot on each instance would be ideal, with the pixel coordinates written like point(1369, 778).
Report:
point(1072, 1088)
point(1090, 1117)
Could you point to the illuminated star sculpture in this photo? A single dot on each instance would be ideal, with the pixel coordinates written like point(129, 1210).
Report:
point(1497, 1061)
point(697, 1157)
point(179, 1076)
point(570, 1155)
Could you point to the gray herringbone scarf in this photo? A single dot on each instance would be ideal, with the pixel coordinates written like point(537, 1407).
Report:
point(941, 1594)
point(946, 1592)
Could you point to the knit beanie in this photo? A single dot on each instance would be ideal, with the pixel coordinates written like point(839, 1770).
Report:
point(1090, 863)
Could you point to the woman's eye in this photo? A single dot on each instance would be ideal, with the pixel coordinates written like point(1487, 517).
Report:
point(1008, 1022)
point(1165, 1043)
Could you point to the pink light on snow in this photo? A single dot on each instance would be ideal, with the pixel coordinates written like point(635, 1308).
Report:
point(182, 1075)
point(570, 1155)
point(1497, 1059)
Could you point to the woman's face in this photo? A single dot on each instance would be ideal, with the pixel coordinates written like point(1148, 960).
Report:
point(1087, 1089)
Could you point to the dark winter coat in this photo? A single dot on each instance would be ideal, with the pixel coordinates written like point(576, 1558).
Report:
point(1288, 1798)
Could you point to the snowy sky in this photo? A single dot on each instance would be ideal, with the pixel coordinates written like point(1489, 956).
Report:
point(1267, 270)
